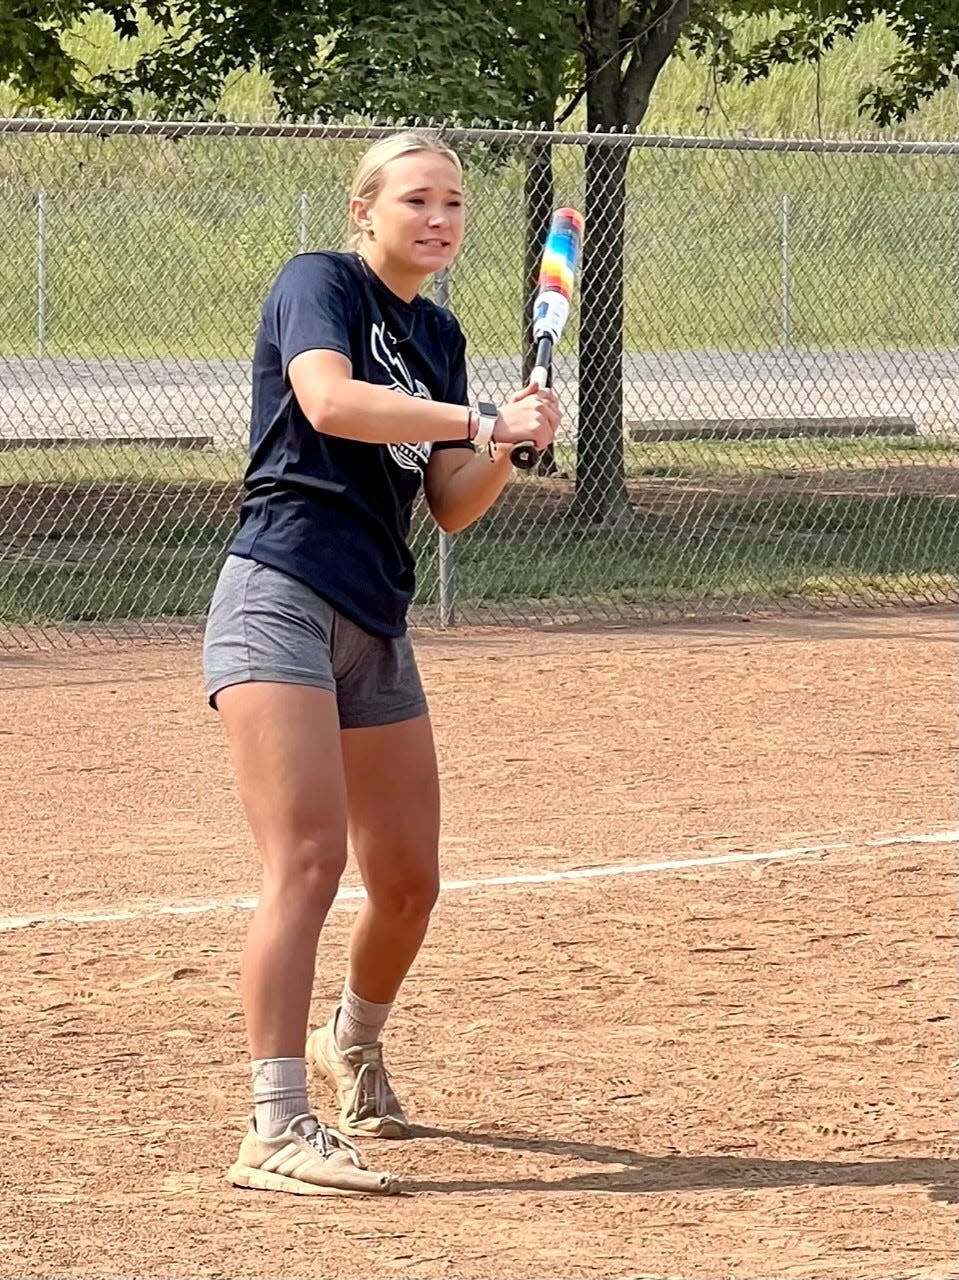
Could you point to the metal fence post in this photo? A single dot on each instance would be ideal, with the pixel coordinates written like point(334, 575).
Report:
point(447, 580)
point(784, 318)
point(447, 566)
point(41, 274)
point(304, 222)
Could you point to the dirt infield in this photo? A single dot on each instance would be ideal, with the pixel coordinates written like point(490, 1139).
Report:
point(733, 1057)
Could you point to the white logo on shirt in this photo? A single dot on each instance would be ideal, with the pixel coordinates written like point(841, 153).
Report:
point(411, 457)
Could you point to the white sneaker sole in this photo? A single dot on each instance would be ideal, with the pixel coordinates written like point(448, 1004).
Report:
point(244, 1175)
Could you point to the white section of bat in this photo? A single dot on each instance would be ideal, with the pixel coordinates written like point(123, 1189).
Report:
point(550, 315)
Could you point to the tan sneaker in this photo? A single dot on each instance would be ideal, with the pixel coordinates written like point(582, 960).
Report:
point(307, 1159)
point(368, 1106)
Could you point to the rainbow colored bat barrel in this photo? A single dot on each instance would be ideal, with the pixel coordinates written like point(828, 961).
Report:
point(557, 274)
point(561, 253)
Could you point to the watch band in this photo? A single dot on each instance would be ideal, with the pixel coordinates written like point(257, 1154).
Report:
point(487, 415)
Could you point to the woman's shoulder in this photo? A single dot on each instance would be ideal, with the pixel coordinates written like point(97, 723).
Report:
point(323, 266)
point(442, 320)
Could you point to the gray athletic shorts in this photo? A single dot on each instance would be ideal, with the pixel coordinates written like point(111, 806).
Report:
point(265, 625)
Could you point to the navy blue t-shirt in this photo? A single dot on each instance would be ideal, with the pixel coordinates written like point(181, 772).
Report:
point(335, 513)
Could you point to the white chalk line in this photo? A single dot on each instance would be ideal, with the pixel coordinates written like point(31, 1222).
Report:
point(148, 909)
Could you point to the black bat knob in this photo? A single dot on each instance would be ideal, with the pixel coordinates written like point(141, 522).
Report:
point(524, 457)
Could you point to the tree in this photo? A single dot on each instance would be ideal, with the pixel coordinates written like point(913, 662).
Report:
point(524, 55)
point(485, 61)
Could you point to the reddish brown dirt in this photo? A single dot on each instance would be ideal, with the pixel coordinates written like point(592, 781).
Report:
point(744, 1069)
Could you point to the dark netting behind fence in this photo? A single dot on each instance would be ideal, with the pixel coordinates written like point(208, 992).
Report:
point(760, 377)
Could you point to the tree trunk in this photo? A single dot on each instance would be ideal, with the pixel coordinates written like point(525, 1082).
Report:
point(601, 495)
point(538, 196)
point(600, 458)
point(624, 53)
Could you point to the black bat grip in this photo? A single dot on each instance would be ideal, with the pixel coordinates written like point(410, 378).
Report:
point(525, 456)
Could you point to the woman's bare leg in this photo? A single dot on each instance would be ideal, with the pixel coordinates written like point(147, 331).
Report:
point(285, 742)
point(394, 809)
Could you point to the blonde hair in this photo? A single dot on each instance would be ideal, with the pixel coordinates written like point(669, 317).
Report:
point(368, 177)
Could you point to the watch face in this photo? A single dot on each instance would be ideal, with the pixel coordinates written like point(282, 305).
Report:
point(487, 410)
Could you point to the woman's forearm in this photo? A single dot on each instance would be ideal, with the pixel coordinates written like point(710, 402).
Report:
point(357, 410)
point(472, 489)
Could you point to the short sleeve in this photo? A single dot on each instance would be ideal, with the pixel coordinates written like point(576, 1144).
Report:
point(309, 308)
point(457, 390)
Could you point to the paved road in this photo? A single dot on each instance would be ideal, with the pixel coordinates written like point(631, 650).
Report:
point(123, 398)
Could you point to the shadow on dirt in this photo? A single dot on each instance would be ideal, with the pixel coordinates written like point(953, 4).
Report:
point(634, 1172)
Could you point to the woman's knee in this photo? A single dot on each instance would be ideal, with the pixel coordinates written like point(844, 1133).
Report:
point(410, 897)
point(307, 869)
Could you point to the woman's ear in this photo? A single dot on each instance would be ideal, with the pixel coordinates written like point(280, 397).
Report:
point(360, 215)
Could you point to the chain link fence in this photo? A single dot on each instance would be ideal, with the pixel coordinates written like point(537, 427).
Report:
point(760, 378)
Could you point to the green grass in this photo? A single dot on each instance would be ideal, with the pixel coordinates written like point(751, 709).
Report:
point(679, 458)
point(902, 547)
point(117, 464)
point(769, 549)
point(144, 464)
point(168, 571)
point(173, 259)
point(793, 101)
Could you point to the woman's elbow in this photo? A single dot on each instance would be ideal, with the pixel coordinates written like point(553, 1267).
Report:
point(322, 413)
point(450, 520)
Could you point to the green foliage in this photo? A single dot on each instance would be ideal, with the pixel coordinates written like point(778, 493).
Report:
point(926, 60)
point(456, 60)
point(32, 57)
point(447, 59)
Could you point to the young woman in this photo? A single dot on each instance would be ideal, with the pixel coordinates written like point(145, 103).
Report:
point(359, 394)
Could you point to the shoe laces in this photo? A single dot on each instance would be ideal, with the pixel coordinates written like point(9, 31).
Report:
point(326, 1141)
point(372, 1089)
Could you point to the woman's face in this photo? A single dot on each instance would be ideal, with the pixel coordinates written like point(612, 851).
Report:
point(417, 217)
